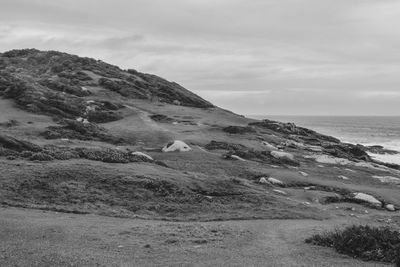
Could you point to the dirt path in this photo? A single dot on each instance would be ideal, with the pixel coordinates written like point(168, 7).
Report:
point(40, 238)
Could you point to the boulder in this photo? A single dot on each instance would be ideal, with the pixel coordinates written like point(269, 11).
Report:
point(275, 181)
point(141, 154)
point(268, 145)
point(280, 192)
point(367, 198)
point(390, 207)
point(237, 157)
point(176, 145)
point(282, 155)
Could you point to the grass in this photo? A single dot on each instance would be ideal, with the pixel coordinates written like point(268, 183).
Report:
point(363, 242)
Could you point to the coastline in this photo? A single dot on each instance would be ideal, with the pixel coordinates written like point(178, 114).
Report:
point(367, 131)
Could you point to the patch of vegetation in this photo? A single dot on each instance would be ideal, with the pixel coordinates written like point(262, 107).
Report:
point(239, 129)
point(72, 129)
point(161, 118)
point(364, 242)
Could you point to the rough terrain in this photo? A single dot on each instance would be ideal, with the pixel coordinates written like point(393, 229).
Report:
point(72, 177)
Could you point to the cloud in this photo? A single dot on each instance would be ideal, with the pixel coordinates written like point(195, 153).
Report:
point(261, 56)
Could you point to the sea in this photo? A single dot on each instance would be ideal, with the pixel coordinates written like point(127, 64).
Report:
point(365, 130)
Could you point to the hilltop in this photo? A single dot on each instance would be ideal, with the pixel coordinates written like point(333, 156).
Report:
point(82, 136)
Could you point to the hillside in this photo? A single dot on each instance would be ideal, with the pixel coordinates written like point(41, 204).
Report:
point(78, 135)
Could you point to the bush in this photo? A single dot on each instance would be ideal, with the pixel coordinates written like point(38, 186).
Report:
point(41, 156)
point(238, 129)
point(103, 116)
point(364, 242)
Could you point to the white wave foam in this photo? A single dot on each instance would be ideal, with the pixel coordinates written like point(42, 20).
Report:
point(394, 159)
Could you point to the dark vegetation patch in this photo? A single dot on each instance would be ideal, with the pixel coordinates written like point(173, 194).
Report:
point(73, 129)
point(364, 242)
point(161, 118)
point(239, 129)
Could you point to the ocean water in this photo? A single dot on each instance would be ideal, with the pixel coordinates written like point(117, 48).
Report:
point(384, 131)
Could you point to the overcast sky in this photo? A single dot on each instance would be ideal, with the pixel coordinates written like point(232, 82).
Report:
point(277, 57)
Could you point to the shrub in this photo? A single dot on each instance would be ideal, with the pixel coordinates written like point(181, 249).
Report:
point(364, 242)
point(41, 156)
point(238, 129)
point(103, 116)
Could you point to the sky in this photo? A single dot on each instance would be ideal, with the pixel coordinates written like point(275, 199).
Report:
point(267, 57)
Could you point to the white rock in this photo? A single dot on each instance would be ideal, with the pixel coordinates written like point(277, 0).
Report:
point(310, 188)
point(175, 123)
point(176, 146)
point(268, 145)
point(387, 179)
point(263, 181)
point(343, 177)
point(90, 102)
point(390, 207)
point(64, 139)
point(282, 155)
point(280, 192)
point(367, 198)
point(237, 158)
point(84, 89)
point(80, 119)
point(85, 121)
point(303, 173)
point(141, 154)
point(329, 159)
point(275, 181)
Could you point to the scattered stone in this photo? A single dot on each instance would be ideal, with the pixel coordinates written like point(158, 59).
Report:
point(176, 146)
point(282, 155)
point(390, 207)
point(141, 154)
point(367, 198)
point(280, 192)
point(236, 157)
point(303, 173)
point(387, 179)
point(268, 145)
point(275, 181)
point(310, 188)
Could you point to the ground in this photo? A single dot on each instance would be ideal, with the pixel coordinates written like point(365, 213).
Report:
point(44, 238)
point(84, 201)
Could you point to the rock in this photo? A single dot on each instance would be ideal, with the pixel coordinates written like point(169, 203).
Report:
point(141, 154)
point(176, 146)
point(343, 177)
point(275, 181)
point(268, 145)
point(390, 207)
point(280, 192)
point(310, 188)
point(387, 179)
point(303, 173)
point(282, 155)
point(263, 181)
point(367, 198)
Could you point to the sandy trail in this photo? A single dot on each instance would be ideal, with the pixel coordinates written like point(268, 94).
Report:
point(42, 238)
